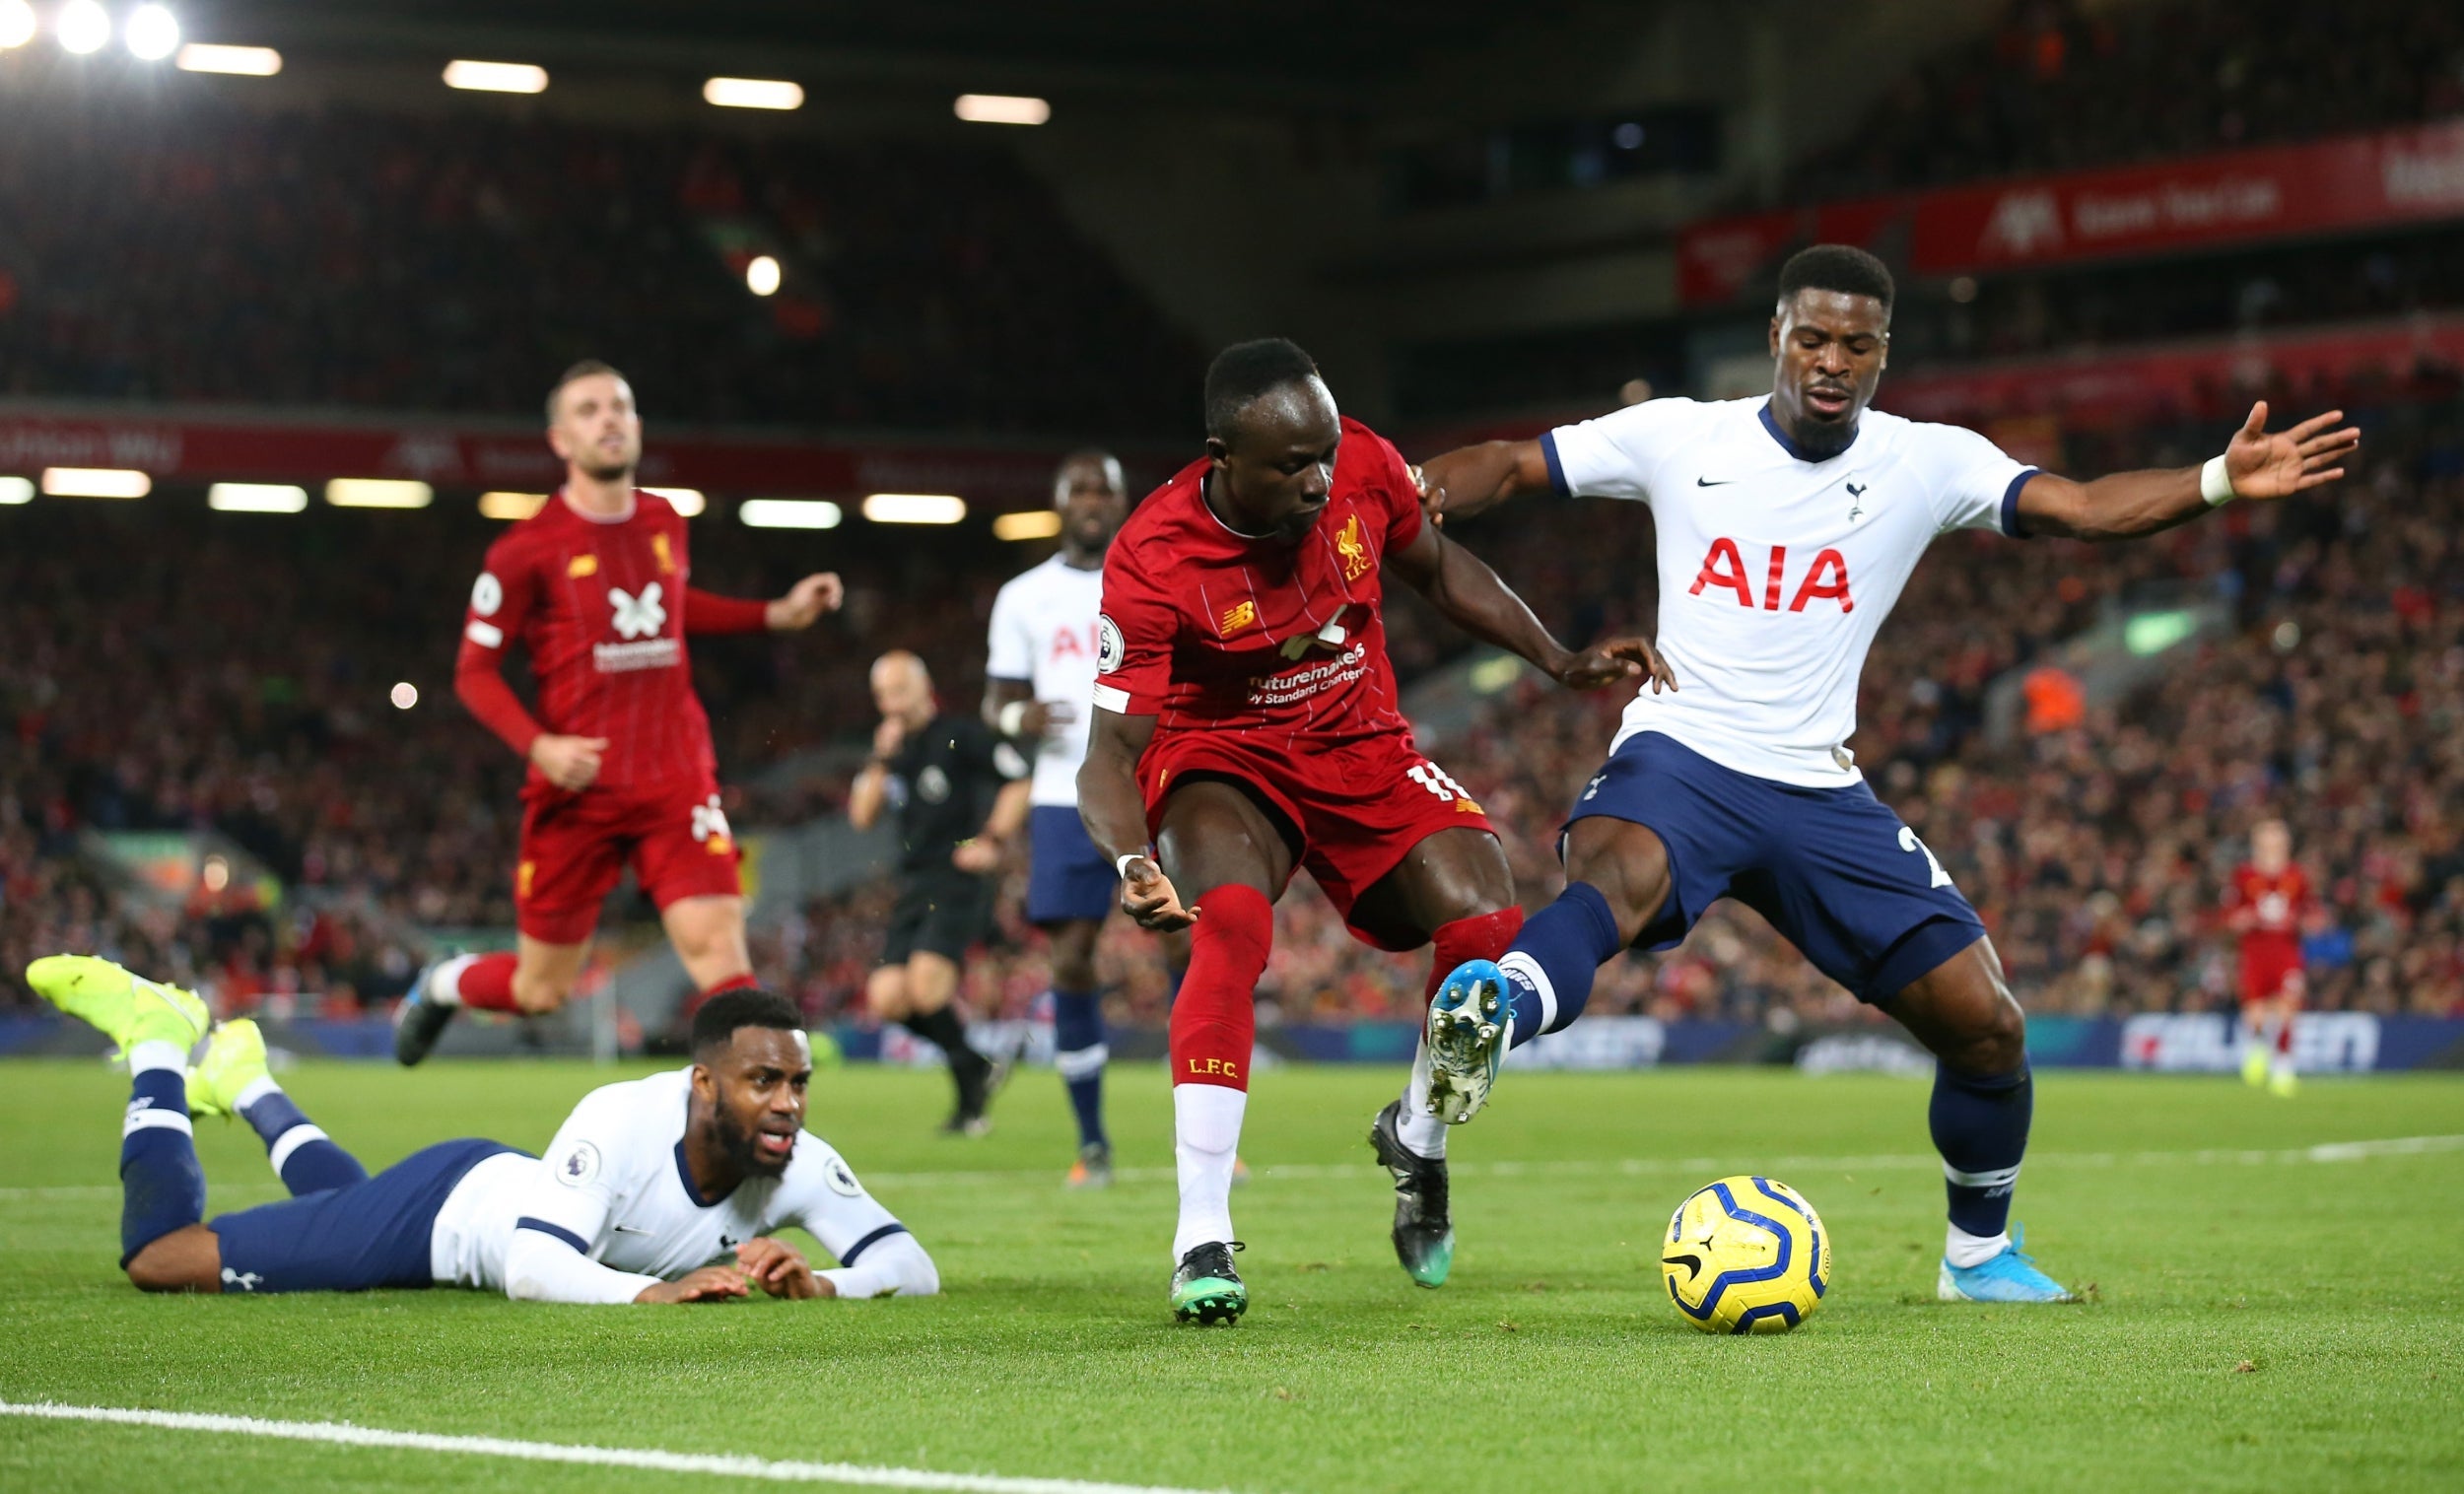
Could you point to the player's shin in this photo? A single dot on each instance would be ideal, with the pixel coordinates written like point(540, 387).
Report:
point(302, 1156)
point(1551, 967)
point(162, 1186)
point(1079, 1053)
point(1980, 1128)
point(1214, 1029)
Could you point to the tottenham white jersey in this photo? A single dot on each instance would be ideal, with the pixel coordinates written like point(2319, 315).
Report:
point(1043, 633)
point(1776, 572)
point(613, 1186)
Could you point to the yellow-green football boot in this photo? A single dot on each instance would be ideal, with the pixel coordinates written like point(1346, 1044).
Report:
point(235, 1059)
point(129, 1009)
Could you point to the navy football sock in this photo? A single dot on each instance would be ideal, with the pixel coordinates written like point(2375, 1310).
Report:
point(1980, 1128)
point(306, 1159)
point(1078, 1051)
point(1551, 967)
point(161, 1187)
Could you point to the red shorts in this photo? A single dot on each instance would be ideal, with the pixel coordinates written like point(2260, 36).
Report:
point(1358, 808)
point(574, 845)
point(2269, 975)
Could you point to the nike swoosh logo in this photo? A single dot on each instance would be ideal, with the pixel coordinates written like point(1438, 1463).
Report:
point(627, 1229)
point(1692, 1265)
point(1704, 482)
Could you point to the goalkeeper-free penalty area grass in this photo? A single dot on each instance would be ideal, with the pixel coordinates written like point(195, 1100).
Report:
point(2279, 1303)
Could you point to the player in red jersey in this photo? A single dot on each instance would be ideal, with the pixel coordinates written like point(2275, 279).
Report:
point(1246, 726)
point(597, 586)
point(2265, 904)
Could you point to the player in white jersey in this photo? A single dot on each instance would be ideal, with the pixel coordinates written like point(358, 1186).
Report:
point(1040, 680)
point(669, 1189)
point(1787, 527)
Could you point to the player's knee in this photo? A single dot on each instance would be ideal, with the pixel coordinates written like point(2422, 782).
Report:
point(1997, 1042)
point(174, 1263)
point(1073, 958)
point(536, 994)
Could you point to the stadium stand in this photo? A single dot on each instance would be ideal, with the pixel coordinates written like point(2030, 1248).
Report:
point(380, 260)
point(2059, 85)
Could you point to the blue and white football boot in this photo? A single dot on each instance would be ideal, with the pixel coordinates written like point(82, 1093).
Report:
point(2011, 1276)
point(1467, 1036)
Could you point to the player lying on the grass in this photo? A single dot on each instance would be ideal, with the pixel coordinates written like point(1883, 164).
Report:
point(1786, 527)
point(597, 587)
point(667, 1189)
point(1246, 726)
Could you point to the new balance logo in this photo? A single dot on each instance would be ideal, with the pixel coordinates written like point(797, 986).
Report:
point(638, 616)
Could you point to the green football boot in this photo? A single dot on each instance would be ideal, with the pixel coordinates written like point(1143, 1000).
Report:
point(235, 1059)
point(1206, 1290)
point(126, 1008)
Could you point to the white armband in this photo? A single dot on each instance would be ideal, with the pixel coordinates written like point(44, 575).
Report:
point(1014, 716)
point(1121, 868)
point(2215, 485)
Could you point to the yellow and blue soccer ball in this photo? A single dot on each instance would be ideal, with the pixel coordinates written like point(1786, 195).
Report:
point(1745, 1256)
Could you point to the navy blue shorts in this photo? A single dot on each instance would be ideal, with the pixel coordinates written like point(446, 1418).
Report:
point(355, 1238)
point(1067, 876)
point(1838, 874)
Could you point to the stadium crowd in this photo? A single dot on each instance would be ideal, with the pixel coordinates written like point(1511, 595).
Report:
point(249, 668)
point(340, 258)
point(2059, 85)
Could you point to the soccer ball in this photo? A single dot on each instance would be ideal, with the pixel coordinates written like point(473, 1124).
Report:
point(1745, 1256)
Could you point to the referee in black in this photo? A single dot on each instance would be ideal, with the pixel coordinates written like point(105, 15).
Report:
point(960, 794)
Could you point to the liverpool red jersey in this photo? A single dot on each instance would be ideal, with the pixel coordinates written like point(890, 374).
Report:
point(2268, 910)
point(1210, 631)
point(602, 607)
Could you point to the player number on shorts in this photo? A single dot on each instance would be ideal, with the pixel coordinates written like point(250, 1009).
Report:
point(709, 820)
point(1437, 780)
point(1909, 842)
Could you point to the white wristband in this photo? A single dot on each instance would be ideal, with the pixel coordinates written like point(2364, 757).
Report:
point(1121, 868)
point(1013, 716)
point(2215, 485)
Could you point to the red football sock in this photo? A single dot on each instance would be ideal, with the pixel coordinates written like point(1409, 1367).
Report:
point(486, 984)
point(1482, 936)
point(732, 982)
point(2284, 1035)
point(1215, 1020)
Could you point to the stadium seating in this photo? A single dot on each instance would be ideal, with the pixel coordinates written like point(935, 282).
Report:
point(2058, 85)
point(408, 263)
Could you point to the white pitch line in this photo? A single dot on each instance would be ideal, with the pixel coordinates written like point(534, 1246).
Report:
point(1631, 1167)
point(718, 1465)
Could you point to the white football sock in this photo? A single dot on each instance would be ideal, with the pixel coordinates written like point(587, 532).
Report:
point(157, 1053)
point(444, 987)
point(1964, 1250)
point(258, 1088)
point(1206, 1138)
point(1422, 1133)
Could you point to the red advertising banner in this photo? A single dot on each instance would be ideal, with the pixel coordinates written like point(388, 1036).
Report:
point(2355, 182)
point(205, 445)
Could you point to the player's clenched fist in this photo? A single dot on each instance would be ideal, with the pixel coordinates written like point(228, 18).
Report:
point(779, 1269)
point(571, 763)
point(804, 603)
point(1618, 658)
point(1148, 895)
point(712, 1283)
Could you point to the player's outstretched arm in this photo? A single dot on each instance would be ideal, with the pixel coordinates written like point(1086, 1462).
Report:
point(1115, 813)
point(805, 603)
point(2255, 465)
point(1478, 600)
point(1472, 478)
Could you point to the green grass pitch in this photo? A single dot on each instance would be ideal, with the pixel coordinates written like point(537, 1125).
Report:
point(2262, 1320)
